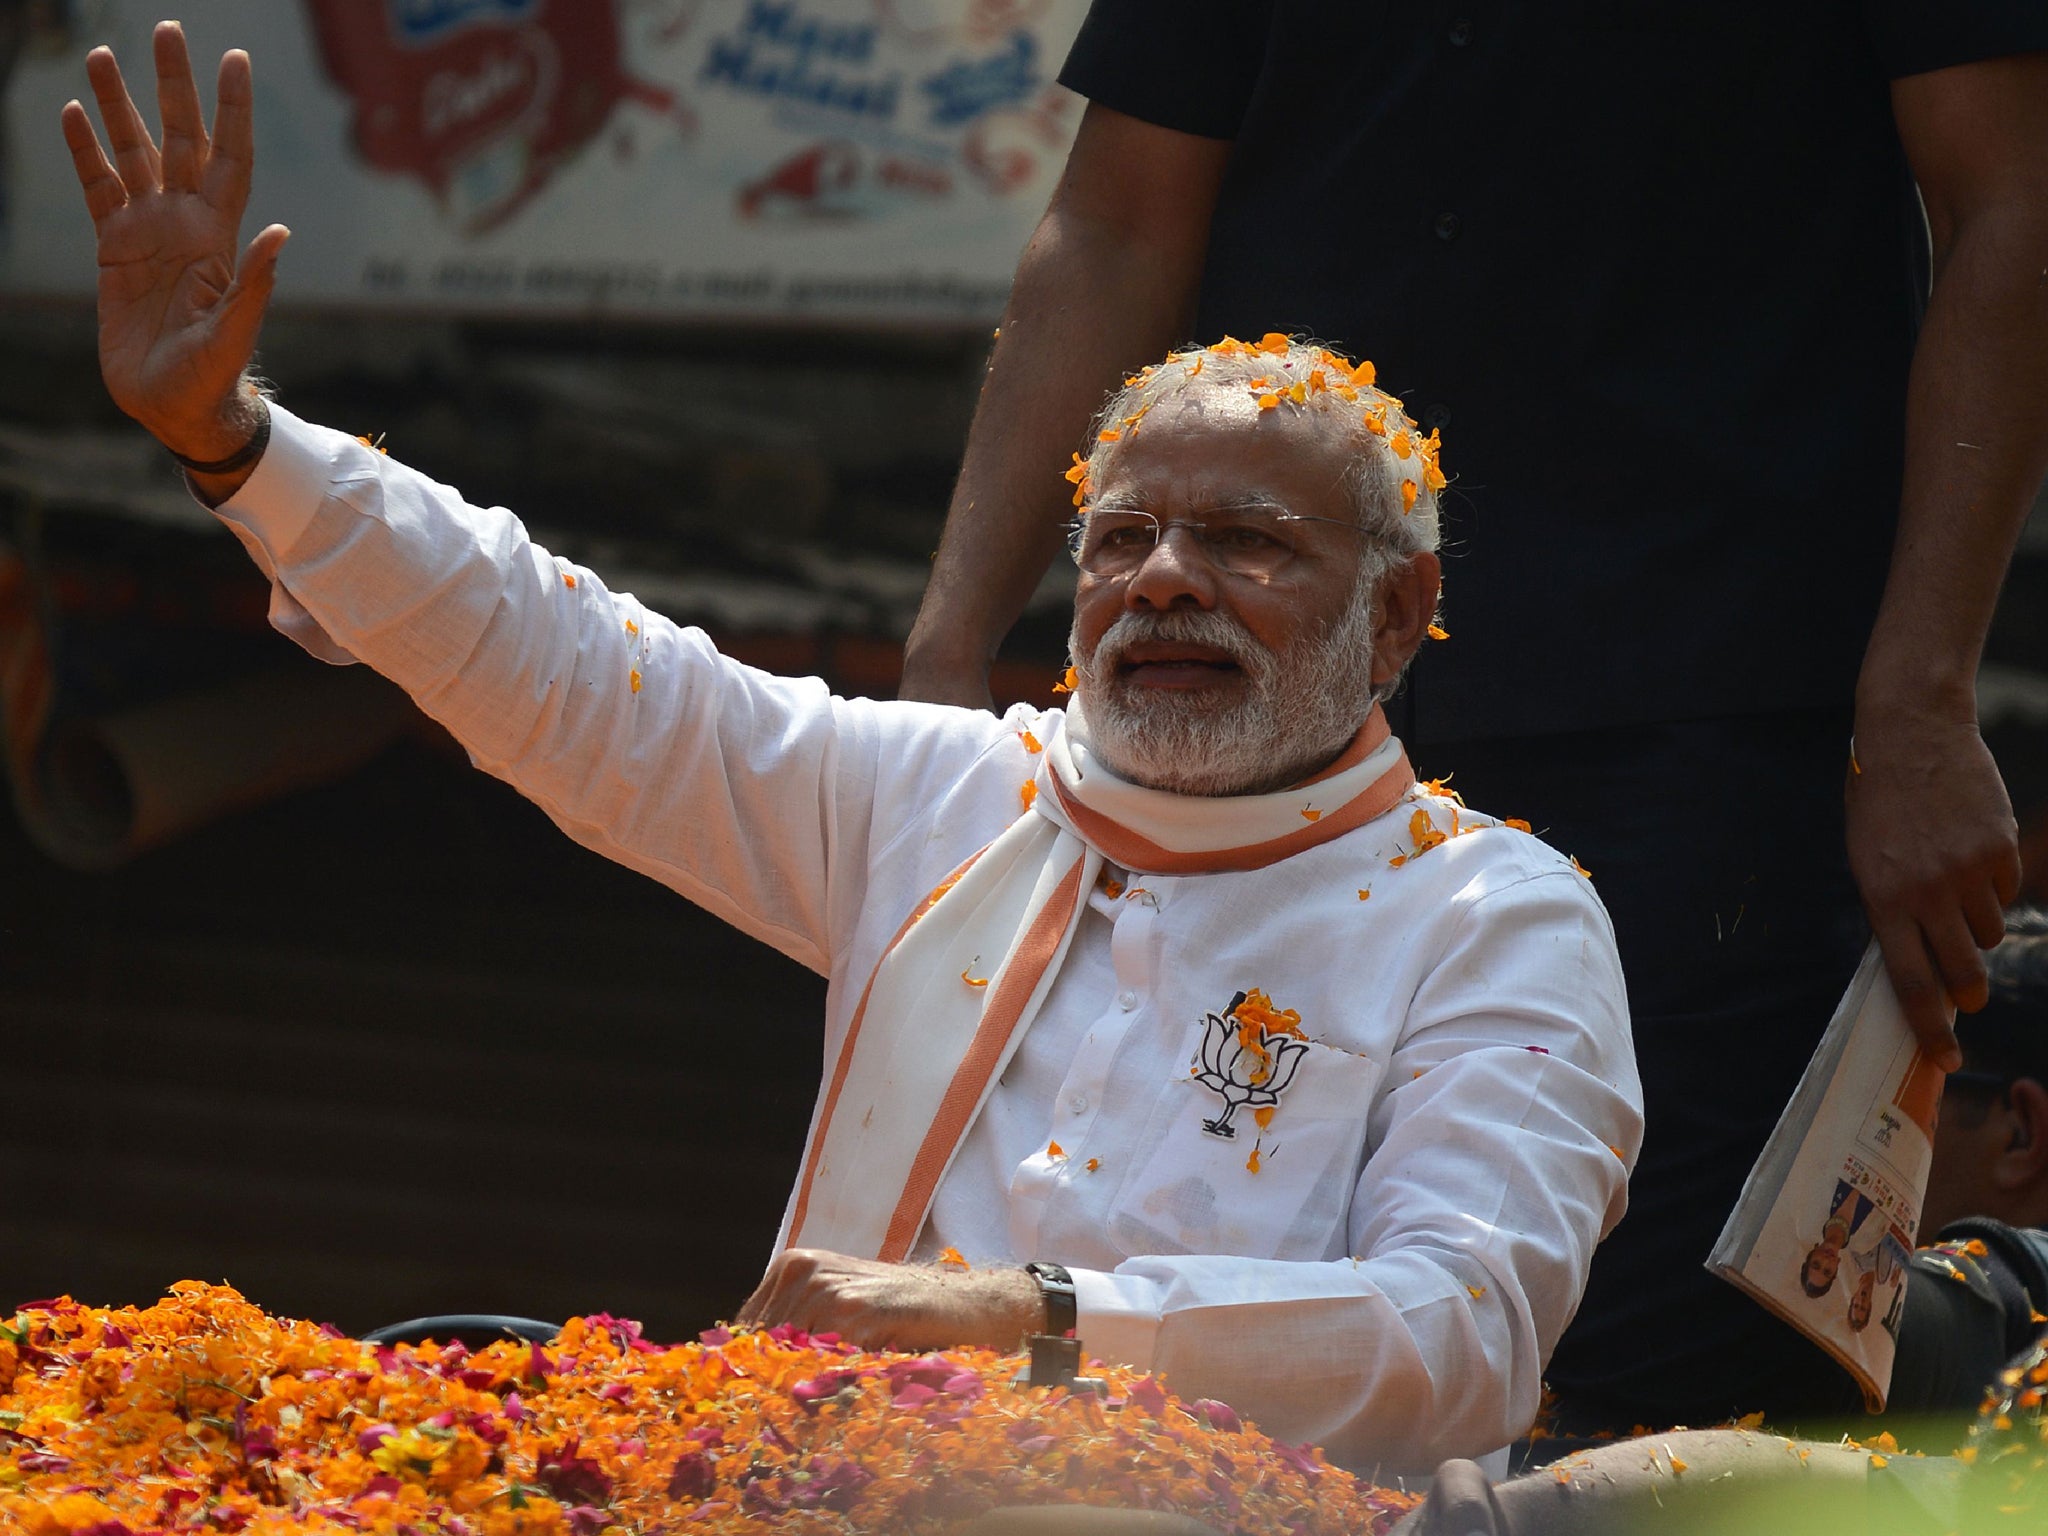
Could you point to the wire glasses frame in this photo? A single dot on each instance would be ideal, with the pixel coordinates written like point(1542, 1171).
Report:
point(1244, 541)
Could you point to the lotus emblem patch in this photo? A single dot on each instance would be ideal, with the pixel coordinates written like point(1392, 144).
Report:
point(1249, 1055)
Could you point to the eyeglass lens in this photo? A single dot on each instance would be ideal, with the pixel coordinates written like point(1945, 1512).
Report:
point(1248, 541)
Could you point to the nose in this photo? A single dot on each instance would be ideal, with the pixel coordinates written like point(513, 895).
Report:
point(1175, 573)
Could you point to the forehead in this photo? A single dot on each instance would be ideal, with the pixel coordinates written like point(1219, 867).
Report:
point(1208, 447)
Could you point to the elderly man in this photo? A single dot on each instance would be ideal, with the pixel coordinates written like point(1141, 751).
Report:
point(1273, 1069)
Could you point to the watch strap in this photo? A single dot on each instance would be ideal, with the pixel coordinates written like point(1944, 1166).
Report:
point(248, 453)
point(1056, 1286)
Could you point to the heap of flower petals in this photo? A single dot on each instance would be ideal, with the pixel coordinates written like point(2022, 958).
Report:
point(205, 1414)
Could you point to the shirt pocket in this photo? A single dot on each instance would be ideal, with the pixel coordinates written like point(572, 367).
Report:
point(1194, 1190)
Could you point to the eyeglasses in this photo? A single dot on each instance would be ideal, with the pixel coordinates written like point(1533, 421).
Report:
point(1256, 540)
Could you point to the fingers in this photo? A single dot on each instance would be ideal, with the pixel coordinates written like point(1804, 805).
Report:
point(239, 316)
point(225, 180)
point(770, 1303)
point(1959, 960)
point(135, 153)
point(104, 193)
point(177, 99)
point(1922, 995)
point(1983, 910)
point(1461, 1503)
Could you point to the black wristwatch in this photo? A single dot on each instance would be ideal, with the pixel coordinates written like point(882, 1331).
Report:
point(1057, 1287)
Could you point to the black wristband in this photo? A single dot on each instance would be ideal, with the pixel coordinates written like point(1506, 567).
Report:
point(1056, 1286)
point(248, 453)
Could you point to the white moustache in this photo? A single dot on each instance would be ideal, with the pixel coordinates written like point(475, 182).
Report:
point(1184, 626)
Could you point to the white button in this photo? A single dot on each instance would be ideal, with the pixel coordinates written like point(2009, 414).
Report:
point(1078, 1103)
point(1127, 1000)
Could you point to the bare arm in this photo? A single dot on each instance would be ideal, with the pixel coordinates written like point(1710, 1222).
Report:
point(1932, 839)
point(1107, 284)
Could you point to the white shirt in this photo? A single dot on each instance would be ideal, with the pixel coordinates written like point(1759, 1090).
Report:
point(1389, 1280)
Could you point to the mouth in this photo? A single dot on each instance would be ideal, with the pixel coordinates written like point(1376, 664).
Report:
point(1176, 664)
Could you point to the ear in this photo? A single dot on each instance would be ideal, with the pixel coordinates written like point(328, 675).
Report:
point(2023, 1162)
point(1406, 606)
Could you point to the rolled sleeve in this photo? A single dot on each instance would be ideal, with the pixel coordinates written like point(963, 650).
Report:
point(1914, 37)
point(1189, 65)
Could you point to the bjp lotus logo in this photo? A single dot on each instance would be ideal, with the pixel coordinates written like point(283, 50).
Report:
point(1250, 1052)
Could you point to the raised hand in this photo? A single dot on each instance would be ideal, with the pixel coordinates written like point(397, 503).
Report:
point(178, 312)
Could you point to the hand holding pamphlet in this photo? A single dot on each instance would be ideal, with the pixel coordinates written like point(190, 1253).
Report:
point(1829, 1214)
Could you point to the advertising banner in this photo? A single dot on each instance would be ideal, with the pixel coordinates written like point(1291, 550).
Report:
point(863, 161)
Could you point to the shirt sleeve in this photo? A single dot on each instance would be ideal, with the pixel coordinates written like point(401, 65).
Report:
point(1499, 1159)
point(754, 796)
point(1189, 65)
point(1912, 37)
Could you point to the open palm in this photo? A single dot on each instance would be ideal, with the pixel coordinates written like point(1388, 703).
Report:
point(178, 312)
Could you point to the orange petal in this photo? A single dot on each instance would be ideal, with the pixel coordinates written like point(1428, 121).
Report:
point(1518, 824)
point(1438, 632)
point(1581, 868)
point(1274, 341)
point(1028, 794)
point(1031, 742)
point(569, 580)
point(1365, 895)
point(1252, 1163)
point(1408, 495)
point(1054, 1149)
point(1311, 815)
point(1264, 1116)
point(1108, 435)
point(1092, 1164)
point(1067, 683)
point(633, 680)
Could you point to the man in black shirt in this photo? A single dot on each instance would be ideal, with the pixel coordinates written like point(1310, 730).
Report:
point(1727, 486)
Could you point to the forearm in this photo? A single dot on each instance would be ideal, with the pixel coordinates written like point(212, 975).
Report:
point(1085, 311)
point(1716, 1479)
point(1976, 447)
point(1106, 285)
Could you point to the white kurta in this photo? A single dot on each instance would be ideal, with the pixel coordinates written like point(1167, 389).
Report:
point(1390, 1279)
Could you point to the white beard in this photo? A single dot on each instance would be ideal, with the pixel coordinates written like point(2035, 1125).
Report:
point(1303, 706)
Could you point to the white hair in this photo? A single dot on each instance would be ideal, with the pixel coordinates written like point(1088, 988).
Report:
point(1295, 374)
point(1341, 403)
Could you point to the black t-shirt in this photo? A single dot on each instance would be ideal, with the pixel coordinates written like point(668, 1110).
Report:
point(1654, 266)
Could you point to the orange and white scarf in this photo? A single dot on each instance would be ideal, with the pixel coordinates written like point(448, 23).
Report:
point(958, 986)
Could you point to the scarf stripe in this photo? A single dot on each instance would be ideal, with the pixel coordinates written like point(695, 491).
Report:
point(1014, 990)
point(845, 1063)
point(1138, 853)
